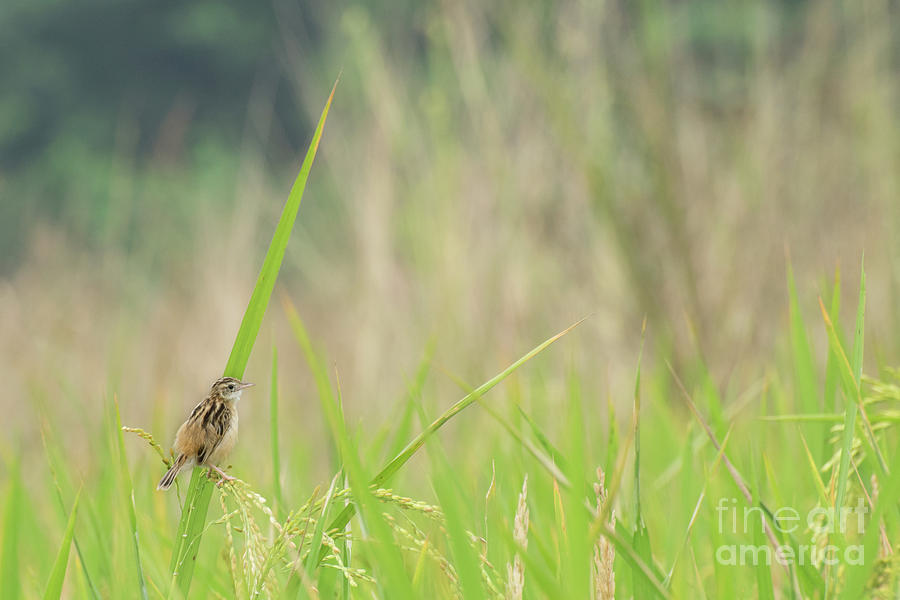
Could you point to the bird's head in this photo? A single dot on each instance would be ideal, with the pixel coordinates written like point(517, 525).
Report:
point(229, 388)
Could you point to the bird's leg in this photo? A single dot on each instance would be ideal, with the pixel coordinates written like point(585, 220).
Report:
point(223, 476)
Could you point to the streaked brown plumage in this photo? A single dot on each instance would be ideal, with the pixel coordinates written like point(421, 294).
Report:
point(209, 433)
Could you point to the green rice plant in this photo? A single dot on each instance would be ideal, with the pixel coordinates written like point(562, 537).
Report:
point(810, 578)
point(850, 381)
point(465, 560)
point(403, 430)
point(128, 493)
point(89, 585)
point(641, 538)
point(12, 516)
point(58, 573)
point(413, 446)
point(391, 562)
point(273, 430)
point(806, 395)
point(190, 528)
point(764, 584)
point(466, 567)
point(317, 543)
point(570, 514)
point(477, 530)
point(857, 576)
point(831, 374)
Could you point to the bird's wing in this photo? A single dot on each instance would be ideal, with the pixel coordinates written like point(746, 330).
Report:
point(204, 429)
point(215, 422)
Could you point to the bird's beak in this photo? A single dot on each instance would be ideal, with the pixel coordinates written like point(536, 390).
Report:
point(246, 385)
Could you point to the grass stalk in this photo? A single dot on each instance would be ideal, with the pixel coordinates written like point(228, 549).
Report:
point(58, 573)
point(394, 465)
point(190, 528)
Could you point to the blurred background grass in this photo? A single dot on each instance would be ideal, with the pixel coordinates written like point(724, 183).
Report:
point(488, 175)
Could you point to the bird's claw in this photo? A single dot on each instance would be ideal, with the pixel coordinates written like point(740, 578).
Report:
point(223, 476)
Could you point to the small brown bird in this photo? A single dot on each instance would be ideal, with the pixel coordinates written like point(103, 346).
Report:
point(209, 433)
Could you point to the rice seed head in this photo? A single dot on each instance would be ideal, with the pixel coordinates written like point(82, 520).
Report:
point(389, 497)
point(146, 435)
point(515, 573)
point(417, 542)
point(602, 574)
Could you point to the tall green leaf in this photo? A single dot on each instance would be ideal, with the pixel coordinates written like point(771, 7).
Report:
point(804, 368)
point(641, 534)
point(193, 518)
point(858, 574)
point(579, 546)
point(58, 573)
point(394, 465)
point(90, 588)
point(457, 513)
point(9, 557)
point(831, 373)
point(851, 375)
point(273, 434)
point(128, 492)
point(390, 564)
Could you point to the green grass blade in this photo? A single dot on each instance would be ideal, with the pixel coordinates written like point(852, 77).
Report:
point(612, 435)
point(858, 575)
point(551, 463)
point(804, 369)
point(818, 417)
point(692, 520)
point(128, 492)
point(9, 559)
point(810, 575)
point(413, 395)
point(273, 434)
point(316, 544)
point(259, 300)
point(579, 546)
point(346, 549)
point(618, 535)
point(817, 479)
point(396, 583)
point(394, 465)
point(831, 373)
point(190, 528)
point(451, 497)
point(857, 363)
point(557, 457)
point(319, 373)
point(641, 539)
point(91, 588)
point(763, 569)
point(850, 375)
point(390, 561)
point(630, 555)
point(58, 573)
point(452, 504)
point(764, 589)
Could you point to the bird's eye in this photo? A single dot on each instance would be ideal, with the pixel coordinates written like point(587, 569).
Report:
point(230, 387)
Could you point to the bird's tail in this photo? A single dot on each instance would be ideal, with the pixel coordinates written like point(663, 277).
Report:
point(169, 478)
